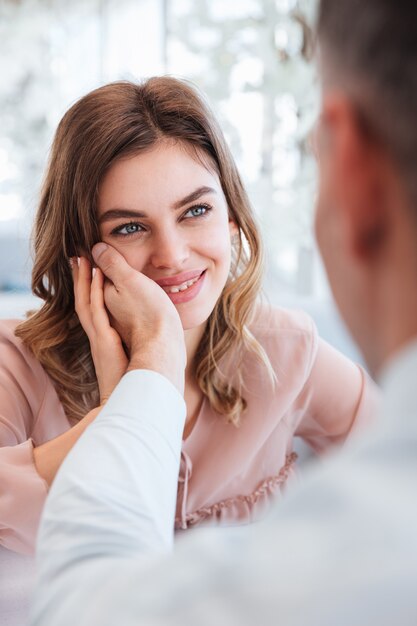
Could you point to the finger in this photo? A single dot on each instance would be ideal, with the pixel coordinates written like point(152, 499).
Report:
point(99, 313)
point(82, 286)
point(112, 264)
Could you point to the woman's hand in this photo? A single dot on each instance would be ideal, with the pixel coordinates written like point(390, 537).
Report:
point(108, 354)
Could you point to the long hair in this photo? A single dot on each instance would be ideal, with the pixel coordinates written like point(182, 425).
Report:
point(119, 120)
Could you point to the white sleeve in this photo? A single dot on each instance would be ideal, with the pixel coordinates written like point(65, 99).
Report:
point(99, 512)
point(336, 551)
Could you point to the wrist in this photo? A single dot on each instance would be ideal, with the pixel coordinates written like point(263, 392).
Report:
point(163, 358)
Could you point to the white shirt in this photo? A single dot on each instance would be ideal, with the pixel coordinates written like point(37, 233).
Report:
point(340, 550)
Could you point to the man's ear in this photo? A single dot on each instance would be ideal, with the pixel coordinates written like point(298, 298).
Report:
point(359, 170)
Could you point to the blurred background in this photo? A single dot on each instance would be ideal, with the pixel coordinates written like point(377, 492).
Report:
point(254, 60)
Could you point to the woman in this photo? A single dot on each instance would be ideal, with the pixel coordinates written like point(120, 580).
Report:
point(145, 168)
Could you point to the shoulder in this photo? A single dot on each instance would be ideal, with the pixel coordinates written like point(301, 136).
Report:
point(270, 319)
point(23, 383)
point(7, 334)
point(7, 328)
point(14, 355)
point(288, 337)
point(272, 325)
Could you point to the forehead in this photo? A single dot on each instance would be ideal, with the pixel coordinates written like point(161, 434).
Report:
point(162, 175)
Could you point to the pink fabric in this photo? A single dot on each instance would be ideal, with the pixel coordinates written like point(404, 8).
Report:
point(228, 475)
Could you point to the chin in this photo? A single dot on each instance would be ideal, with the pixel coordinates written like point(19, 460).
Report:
point(193, 319)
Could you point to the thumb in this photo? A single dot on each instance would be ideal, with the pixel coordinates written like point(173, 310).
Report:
point(112, 263)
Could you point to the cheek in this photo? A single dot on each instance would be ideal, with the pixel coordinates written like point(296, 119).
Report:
point(213, 240)
point(217, 247)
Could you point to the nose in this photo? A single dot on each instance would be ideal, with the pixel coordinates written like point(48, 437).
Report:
point(170, 250)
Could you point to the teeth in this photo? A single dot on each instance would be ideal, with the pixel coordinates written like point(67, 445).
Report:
point(182, 287)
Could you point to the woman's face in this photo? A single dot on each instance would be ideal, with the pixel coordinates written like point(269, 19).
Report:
point(167, 215)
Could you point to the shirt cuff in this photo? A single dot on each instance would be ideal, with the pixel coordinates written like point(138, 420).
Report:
point(145, 393)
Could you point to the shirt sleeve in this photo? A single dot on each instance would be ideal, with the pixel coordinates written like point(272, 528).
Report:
point(114, 514)
point(22, 490)
point(321, 559)
point(338, 399)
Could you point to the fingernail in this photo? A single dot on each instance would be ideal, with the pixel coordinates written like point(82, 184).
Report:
point(94, 271)
point(98, 250)
point(70, 263)
point(78, 261)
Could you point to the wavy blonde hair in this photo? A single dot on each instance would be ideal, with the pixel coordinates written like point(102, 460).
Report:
point(119, 120)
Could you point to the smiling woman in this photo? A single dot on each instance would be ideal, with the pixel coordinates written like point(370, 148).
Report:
point(142, 152)
point(145, 168)
point(180, 230)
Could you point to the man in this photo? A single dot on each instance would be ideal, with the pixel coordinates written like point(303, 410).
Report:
point(342, 549)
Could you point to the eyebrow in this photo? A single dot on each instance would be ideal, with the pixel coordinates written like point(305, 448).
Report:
point(116, 213)
point(193, 196)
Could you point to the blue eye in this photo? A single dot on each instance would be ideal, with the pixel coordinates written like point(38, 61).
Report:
point(127, 229)
point(197, 211)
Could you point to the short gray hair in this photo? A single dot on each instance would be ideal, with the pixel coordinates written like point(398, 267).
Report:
point(372, 45)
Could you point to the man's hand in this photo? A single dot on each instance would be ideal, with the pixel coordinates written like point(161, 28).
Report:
point(144, 316)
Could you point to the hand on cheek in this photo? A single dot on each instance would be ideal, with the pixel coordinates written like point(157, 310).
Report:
point(144, 315)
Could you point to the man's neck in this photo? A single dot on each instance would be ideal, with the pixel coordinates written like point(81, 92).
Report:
point(395, 318)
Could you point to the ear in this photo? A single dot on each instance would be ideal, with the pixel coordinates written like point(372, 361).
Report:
point(357, 164)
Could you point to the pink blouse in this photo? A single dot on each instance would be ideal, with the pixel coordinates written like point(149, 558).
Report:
point(228, 475)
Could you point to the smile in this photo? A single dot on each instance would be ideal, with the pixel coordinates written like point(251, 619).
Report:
point(182, 287)
point(183, 290)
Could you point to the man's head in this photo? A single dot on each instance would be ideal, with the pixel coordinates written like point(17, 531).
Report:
point(366, 219)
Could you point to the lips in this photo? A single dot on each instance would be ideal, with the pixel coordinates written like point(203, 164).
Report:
point(179, 279)
point(183, 287)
